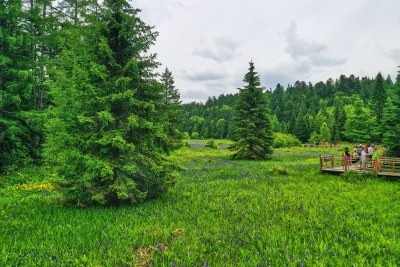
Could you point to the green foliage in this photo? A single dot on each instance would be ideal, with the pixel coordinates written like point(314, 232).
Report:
point(391, 122)
point(195, 135)
point(185, 135)
point(221, 128)
point(301, 129)
point(285, 140)
point(339, 115)
point(360, 123)
point(314, 137)
point(279, 170)
point(378, 99)
point(325, 133)
point(352, 176)
point(211, 143)
point(172, 110)
point(105, 133)
point(330, 102)
point(20, 132)
point(252, 125)
point(171, 94)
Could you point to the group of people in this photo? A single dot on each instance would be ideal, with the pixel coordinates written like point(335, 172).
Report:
point(321, 144)
point(369, 155)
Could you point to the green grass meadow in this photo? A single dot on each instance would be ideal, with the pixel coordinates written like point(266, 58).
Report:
point(221, 212)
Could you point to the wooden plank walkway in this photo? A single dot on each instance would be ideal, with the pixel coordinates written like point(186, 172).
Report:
point(384, 166)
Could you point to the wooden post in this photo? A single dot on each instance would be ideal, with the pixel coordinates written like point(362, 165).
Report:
point(394, 165)
point(344, 158)
point(332, 161)
point(320, 164)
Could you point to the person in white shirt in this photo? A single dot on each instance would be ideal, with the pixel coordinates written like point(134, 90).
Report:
point(364, 154)
point(369, 156)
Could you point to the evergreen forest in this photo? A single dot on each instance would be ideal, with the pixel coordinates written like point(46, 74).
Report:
point(345, 109)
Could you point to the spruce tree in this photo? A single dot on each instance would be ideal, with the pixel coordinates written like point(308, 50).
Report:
point(172, 109)
point(105, 133)
point(171, 94)
point(221, 128)
point(301, 129)
point(325, 133)
point(377, 102)
point(378, 97)
point(252, 124)
point(292, 123)
point(340, 120)
point(391, 121)
point(19, 136)
point(360, 124)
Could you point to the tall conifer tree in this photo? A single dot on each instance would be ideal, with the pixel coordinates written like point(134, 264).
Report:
point(301, 129)
point(106, 137)
point(378, 99)
point(173, 112)
point(19, 141)
point(360, 124)
point(377, 103)
point(391, 121)
point(171, 94)
point(252, 125)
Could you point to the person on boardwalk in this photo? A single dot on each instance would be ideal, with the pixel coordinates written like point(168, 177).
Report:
point(354, 157)
point(359, 149)
point(369, 156)
point(364, 154)
point(348, 156)
point(375, 159)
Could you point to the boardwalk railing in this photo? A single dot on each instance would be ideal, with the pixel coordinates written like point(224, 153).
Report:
point(387, 165)
point(383, 166)
point(330, 162)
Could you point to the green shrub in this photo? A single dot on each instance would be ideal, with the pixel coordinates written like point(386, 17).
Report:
point(285, 140)
point(369, 175)
point(211, 143)
point(351, 176)
point(354, 176)
point(195, 135)
point(279, 170)
point(186, 135)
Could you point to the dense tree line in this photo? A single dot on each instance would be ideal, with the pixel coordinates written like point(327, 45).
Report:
point(79, 92)
point(346, 109)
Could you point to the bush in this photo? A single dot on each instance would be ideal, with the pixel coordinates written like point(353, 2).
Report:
point(195, 135)
point(285, 140)
point(186, 135)
point(354, 176)
point(211, 143)
point(279, 170)
point(187, 144)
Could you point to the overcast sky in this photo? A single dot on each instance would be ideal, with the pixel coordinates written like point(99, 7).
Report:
point(207, 44)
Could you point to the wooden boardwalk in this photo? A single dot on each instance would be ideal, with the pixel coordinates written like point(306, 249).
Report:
point(384, 166)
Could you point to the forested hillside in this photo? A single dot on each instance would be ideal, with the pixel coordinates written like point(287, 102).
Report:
point(345, 109)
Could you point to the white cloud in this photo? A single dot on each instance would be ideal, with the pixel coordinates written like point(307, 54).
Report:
point(221, 49)
point(207, 44)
